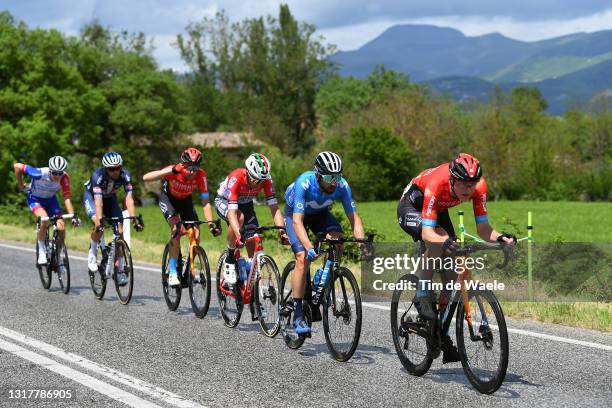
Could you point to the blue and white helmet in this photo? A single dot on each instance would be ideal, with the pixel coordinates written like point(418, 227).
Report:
point(112, 159)
point(58, 163)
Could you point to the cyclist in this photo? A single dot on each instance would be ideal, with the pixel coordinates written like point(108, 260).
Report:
point(41, 195)
point(307, 202)
point(234, 204)
point(179, 183)
point(422, 212)
point(100, 198)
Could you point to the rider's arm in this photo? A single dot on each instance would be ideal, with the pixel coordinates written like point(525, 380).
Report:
point(357, 225)
point(300, 230)
point(69, 207)
point(279, 220)
point(430, 234)
point(19, 168)
point(129, 203)
point(157, 174)
point(98, 202)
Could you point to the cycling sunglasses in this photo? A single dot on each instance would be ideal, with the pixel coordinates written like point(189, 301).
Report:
point(331, 178)
point(114, 169)
point(56, 173)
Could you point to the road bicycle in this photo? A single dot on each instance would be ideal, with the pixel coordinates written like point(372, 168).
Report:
point(114, 262)
point(193, 271)
point(259, 287)
point(482, 336)
point(340, 299)
point(57, 255)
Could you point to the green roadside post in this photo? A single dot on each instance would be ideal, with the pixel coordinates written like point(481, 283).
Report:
point(461, 228)
point(529, 265)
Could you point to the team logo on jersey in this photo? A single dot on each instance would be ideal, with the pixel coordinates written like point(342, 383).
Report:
point(432, 201)
point(231, 182)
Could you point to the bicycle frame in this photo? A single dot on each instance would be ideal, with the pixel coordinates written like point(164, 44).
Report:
point(246, 287)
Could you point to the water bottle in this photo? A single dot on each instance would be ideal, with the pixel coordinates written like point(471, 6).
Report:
point(322, 282)
point(243, 268)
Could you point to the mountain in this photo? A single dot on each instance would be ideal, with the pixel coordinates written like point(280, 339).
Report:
point(567, 69)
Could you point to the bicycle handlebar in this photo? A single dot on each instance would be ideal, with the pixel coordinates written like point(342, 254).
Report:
point(321, 238)
point(54, 218)
point(487, 246)
point(216, 223)
point(261, 229)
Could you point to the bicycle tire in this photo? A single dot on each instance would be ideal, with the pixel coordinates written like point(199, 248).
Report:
point(44, 271)
point(491, 385)
point(345, 310)
point(63, 277)
point(172, 294)
point(401, 337)
point(128, 269)
point(292, 340)
point(228, 320)
point(98, 279)
point(200, 310)
point(270, 323)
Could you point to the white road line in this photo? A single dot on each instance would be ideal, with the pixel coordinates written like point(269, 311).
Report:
point(84, 379)
point(387, 308)
point(125, 379)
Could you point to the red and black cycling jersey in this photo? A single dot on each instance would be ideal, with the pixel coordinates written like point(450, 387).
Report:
point(435, 185)
point(236, 189)
point(181, 187)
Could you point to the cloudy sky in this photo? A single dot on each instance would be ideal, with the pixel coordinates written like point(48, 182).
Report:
point(346, 23)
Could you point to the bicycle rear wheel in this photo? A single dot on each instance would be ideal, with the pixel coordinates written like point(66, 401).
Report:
point(230, 306)
point(485, 358)
point(409, 331)
point(97, 279)
point(172, 294)
point(62, 266)
point(292, 339)
point(267, 296)
point(123, 265)
point(342, 315)
point(44, 271)
point(199, 288)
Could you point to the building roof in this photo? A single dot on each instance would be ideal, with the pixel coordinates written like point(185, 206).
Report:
point(225, 140)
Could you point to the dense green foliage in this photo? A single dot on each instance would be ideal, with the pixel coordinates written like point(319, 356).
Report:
point(80, 96)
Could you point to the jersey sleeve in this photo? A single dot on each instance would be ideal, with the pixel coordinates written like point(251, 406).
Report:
point(33, 172)
point(479, 202)
point(96, 180)
point(347, 200)
point(127, 182)
point(233, 185)
point(65, 184)
point(299, 195)
point(203, 185)
point(429, 212)
point(270, 193)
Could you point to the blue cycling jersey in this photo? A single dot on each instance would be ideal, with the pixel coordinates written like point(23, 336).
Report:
point(304, 196)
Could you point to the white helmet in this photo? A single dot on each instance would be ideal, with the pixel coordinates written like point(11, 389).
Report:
point(58, 163)
point(112, 159)
point(258, 166)
point(328, 163)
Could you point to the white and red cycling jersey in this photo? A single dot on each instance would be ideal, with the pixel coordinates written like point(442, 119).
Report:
point(42, 186)
point(236, 190)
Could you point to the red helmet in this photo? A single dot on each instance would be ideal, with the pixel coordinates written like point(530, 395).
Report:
point(465, 167)
point(191, 156)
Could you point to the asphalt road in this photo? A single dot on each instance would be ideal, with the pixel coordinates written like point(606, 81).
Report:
point(144, 355)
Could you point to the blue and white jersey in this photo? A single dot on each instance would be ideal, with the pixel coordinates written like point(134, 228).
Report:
point(42, 185)
point(304, 196)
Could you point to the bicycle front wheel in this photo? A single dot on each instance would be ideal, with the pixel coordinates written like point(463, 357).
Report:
point(484, 351)
point(172, 294)
point(124, 272)
point(342, 315)
point(44, 272)
point(63, 267)
point(230, 298)
point(199, 285)
point(267, 296)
